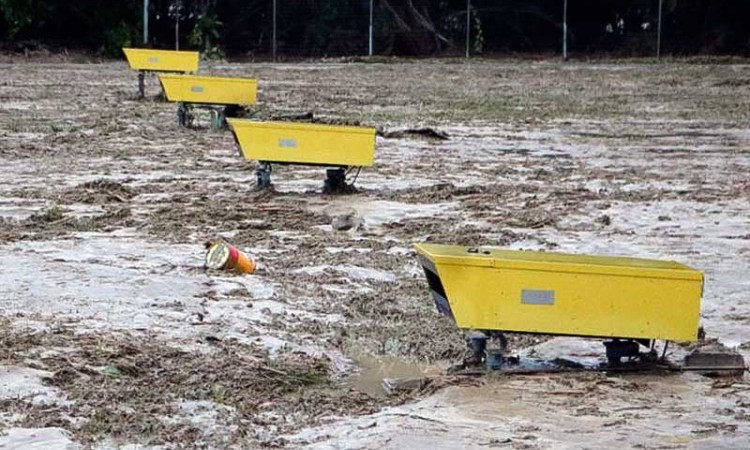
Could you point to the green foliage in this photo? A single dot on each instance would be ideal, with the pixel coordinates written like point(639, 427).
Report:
point(122, 35)
point(205, 33)
point(477, 34)
point(22, 14)
point(16, 14)
point(327, 22)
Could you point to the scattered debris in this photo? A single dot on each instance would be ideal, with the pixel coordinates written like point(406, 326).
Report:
point(346, 220)
point(303, 117)
point(310, 117)
point(97, 192)
point(121, 383)
point(712, 358)
point(604, 220)
point(425, 133)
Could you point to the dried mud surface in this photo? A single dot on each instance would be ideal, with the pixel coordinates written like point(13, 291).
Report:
point(105, 204)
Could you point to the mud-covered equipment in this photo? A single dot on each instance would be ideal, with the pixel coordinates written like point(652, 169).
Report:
point(341, 149)
point(631, 302)
point(147, 60)
point(223, 96)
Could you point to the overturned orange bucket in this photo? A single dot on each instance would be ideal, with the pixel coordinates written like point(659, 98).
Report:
point(221, 255)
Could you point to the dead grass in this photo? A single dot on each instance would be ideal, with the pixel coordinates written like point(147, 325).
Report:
point(130, 388)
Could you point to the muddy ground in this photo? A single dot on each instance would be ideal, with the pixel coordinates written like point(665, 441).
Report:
point(113, 334)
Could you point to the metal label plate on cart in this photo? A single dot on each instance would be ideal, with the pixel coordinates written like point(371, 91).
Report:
point(537, 297)
point(288, 143)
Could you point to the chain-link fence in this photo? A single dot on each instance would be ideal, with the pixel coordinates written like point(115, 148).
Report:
point(283, 29)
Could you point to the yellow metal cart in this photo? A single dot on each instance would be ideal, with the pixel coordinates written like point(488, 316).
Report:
point(224, 96)
point(629, 301)
point(344, 148)
point(147, 60)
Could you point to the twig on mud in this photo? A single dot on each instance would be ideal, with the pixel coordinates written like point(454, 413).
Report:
point(75, 369)
point(416, 416)
point(570, 393)
point(118, 197)
point(497, 442)
point(270, 208)
point(539, 224)
point(628, 408)
point(276, 371)
point(62, 221)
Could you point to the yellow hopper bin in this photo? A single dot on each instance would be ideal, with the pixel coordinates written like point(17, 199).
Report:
point(161, 60)
point(564, 294)
point(225, 97)
point(281, 142)
point(208, 90)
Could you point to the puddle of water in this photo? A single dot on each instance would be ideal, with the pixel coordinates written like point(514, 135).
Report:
point(37, 438)
point(369, 379)
point(16, 213)
point(20, 382)
point(104, 281)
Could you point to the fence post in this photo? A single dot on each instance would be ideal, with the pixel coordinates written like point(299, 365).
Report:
point(369, 53)
point(145, 22)
point(565, 30)
point(273, 38)
point(468, 27)
point(658, 34)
